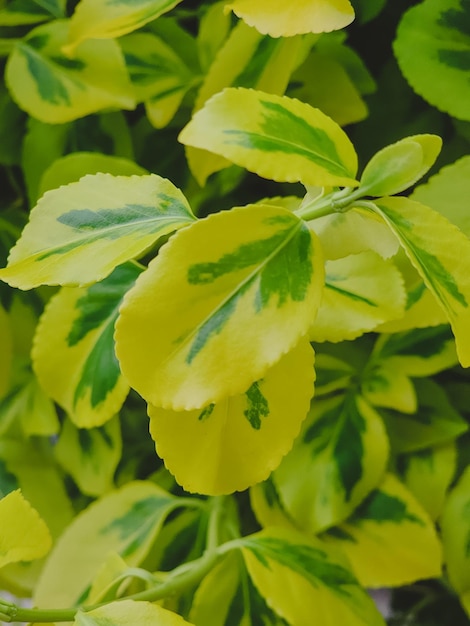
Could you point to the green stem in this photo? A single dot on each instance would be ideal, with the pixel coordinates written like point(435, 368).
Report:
point(214, 522)
point(335, 202)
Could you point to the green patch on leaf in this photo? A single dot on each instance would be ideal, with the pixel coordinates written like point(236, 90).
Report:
point(50, 88)
point(382, 507)
point(258, 406)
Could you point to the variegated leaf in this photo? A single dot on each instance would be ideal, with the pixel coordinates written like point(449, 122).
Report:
point(440, 252)
point(103, 19)
point(305, 581)
point(278, 19)
point(129, 613)
point(18, 12)
point(55, 88)
point(389, 540)
point(79, 233)
point(383, 385)
point(282, 139)
point(361, 291)
point(339, 457)
point(268, 507)
point(332, 374)
point(237, 442)
point(205, 322)
point(73, 354)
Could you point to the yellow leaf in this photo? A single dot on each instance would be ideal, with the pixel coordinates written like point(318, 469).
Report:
point(129, 613)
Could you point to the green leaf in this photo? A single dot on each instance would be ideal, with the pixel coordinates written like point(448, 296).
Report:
point(6, 353)
point(55, 88)
point(125, 521)
point(207, 450)
point(128, 613)
point(73, 353)
point(18, 12)
point(305, 581)
point(398, 166)
point(389, 540)
point(433, 50)
point(79, 233)
point(214, 29)
point(332, 374)
point(205, 322)
point(267, 506)
point(339, 457)
point(361, 292)
point(299, 16)
point(281, 138)
point(439, 251)
point(383, 385)
point(103, 19)
point(90, 456)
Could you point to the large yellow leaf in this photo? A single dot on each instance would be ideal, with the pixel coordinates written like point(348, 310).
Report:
point(206, 321)
point(284, 19)
point(237, 442)
point(23, 534)
point(129, 613)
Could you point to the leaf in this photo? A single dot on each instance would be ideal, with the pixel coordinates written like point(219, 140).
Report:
point(361, 291)
point(332, 374)
point(214, 30)
point(55, 88)
point(125, 521)
point(438, 250)
point(305, 581)
point(6, 352)
point(237, 442)
point(282, 138)
point(90, 456)
point(103, 19)
point(73, 354)
point(23, 534)
point(267, 506)
point(18, 12)
point(389, 540)
point(339, 457)
point(432, 48)
point(398, 166)
point(385, 386)
point(127, 613)
point(205, 322)
point(278, 19)
point(79, 233)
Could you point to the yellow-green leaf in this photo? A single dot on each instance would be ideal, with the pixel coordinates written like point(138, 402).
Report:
point(267, 506)
point(440, 252)
point(361, 291)
point(79, 233)
point(6, 352)
point(73, 354)
point(281, 19)
point(125, 521)
point(339, 457)
point(104, 19)
point(129, 613)
point(332, 374)
point(18, 12)
point(23, 534)
point(384, 385)
point(389, 540)
point(281, 138)
point(205, 322)
point(90, 456)
point(55, 88)
point(306, 581)
point(237, 442)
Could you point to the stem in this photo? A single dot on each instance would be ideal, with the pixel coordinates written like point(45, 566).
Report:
point(214, 522)
point(335, 202)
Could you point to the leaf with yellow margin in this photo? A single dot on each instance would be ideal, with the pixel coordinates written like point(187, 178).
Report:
point(23, 534)
point(280, 19)
point(204, 322)
point(237, 442)
point(31, 12)
point(129, 613)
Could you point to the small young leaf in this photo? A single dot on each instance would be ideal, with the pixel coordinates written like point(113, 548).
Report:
point(278, 19)
point(400, 165)
point(205, 322)
point(79, 233)
point(23, 534)
point(129, 613)
point(389, 540)
point(281, 138)
point(237, 442)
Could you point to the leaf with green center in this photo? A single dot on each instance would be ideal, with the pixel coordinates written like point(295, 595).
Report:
point(237, 442)
point(389, 540)
point(440, 253)
point(108, 19)
point(278, 19)
point(339, 457)
point(55, 88)
point(18, 12)
point(282, 138)
point(203, 322)
point(73, 352)
point(433, 51)
point(398, 166)
point(383, 385)
point(361, 292)
point(129, 613)
point(23, 534)
point(125, 521)
point(79, 233)
point(332, 374)
point(267, 506)
point(305, 581)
